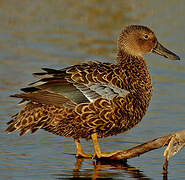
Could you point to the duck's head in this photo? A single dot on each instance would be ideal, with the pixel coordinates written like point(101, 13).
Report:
point(136, 40)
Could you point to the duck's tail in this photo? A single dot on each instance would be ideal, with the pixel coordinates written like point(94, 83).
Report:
point(32, 117)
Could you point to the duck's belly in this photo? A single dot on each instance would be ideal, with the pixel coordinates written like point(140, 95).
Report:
point(102, 116)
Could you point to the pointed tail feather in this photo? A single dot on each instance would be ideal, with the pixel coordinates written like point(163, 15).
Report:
point(10, 128)
point(32, 117)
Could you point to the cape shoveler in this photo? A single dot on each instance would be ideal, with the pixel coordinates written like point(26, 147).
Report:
point(93, 99)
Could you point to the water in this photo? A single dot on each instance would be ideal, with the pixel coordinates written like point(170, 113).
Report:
point(35, 34)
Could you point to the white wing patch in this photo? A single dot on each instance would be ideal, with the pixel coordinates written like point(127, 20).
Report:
point(94, 91)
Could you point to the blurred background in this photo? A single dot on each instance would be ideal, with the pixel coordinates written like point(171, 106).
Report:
point(56, 34)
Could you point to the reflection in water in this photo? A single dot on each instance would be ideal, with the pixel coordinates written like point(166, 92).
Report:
point(104, 170)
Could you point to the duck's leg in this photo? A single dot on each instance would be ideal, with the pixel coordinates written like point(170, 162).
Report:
point(97, 151)
point(79, 150)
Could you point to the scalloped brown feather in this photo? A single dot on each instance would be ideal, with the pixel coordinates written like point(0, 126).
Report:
point(72, 101)
point(106, 117)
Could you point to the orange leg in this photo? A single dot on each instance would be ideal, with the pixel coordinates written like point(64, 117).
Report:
point(79, 149)
point(97, 151)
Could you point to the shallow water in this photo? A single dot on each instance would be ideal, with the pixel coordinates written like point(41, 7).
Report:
point(35, 34)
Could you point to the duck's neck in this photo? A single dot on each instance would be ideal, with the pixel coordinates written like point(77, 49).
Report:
point(138, 76)
point(125, 58)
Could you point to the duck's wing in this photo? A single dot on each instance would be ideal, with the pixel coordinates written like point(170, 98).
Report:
point(76, 84)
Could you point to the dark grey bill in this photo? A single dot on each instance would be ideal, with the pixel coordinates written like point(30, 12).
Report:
point(161, 50)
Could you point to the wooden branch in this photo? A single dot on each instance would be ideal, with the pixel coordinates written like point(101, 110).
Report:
point(175, 142)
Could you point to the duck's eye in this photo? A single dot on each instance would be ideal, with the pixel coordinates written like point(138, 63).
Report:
point(146, 36)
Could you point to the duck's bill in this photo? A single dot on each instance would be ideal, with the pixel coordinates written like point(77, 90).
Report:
point(161, 50)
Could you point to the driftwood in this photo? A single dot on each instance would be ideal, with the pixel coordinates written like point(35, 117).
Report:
point(174, 143)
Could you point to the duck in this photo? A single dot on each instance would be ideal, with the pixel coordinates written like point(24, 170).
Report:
point(93, 99)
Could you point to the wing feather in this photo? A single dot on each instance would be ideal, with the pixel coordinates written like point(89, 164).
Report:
point(76, 84)
point(46, 97)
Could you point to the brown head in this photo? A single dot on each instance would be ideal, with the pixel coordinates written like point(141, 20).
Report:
point(136, 40)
